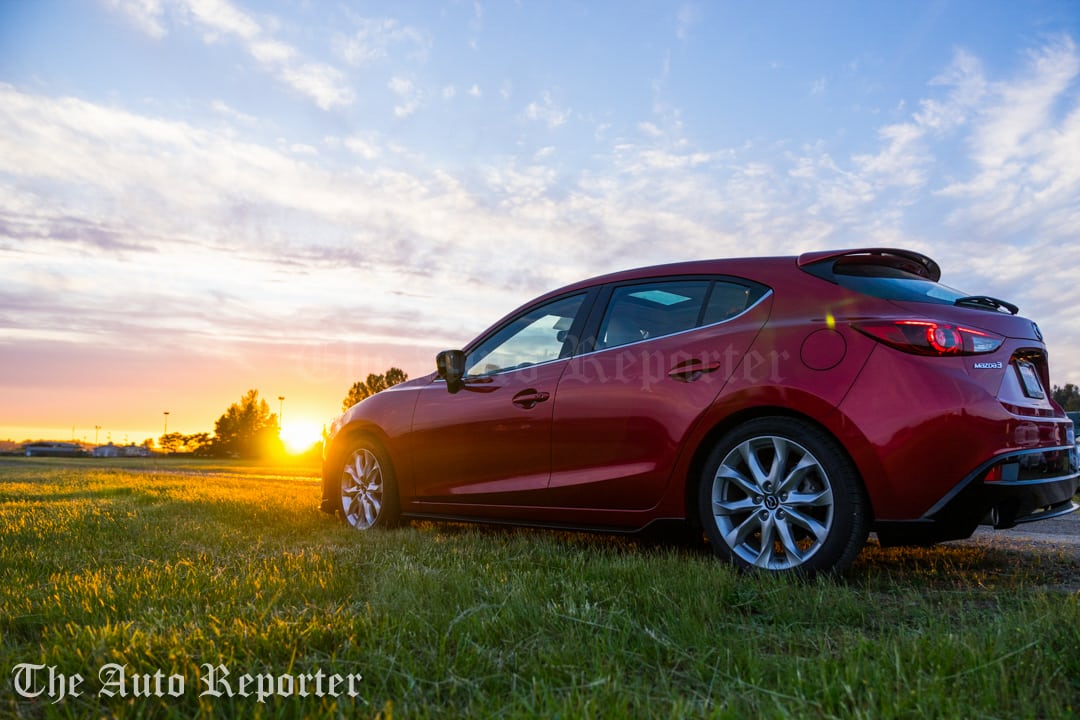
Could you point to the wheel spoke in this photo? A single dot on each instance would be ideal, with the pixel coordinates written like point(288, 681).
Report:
point(791, 548)
point(813, 526)
point(817, 499)
point(745, 484)
point(734, 507)
point(738, 534)
point(753, 463)
point(767, 549)
point(780, 455)
point(798, 473)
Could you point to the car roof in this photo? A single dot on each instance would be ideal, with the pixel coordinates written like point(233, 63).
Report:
point(728, 266)
point(749, 266)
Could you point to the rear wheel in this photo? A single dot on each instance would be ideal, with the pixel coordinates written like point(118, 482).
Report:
point(778, 494)
point(367, 489)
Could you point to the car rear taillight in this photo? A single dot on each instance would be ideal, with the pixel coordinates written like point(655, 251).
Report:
point(924, 337)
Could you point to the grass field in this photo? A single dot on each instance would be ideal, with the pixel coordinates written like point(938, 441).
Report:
point(177, 572)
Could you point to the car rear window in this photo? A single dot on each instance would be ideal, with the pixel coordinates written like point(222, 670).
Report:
point(884, 281)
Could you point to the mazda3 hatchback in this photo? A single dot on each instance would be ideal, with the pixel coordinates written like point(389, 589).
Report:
point(784, 406)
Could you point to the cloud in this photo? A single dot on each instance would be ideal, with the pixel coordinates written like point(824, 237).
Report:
point(901, 161)
point(324, 84)
point(145, 14)
point(374, 39)
point(1024, 150)
point(409, 95)
point(364, 147)
point(272, 52)
point(687, 18)
point(221, 16)
point(220, 21)
point(547, 111)
point(239, 242)
point(967, 88)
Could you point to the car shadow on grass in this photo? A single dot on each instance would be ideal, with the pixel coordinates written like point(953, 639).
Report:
point(975, 563)
point(979, 563)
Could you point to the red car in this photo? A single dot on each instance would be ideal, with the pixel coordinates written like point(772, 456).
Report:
point(785, 406)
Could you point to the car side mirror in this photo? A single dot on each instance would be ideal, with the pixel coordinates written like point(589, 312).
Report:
point(451, 368)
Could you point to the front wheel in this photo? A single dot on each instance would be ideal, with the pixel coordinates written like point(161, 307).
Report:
point(778, 494)
point(367, 491)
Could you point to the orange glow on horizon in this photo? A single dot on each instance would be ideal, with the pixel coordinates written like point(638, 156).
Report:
point(300, 434)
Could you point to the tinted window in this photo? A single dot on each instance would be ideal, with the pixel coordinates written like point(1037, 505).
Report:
point(729, 299)
point(658, 308)
point(888, 283)
point(649, 310)
point(536, 336)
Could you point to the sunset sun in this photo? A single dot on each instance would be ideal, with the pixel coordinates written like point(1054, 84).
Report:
point(298, 436)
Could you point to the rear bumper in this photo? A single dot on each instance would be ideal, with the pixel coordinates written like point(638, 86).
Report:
point(1018, 487)
point(1021, 486)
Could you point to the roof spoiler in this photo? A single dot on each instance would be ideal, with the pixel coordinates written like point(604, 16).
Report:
point(907, 260)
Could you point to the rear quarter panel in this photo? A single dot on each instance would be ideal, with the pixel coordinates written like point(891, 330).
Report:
point(802, 364)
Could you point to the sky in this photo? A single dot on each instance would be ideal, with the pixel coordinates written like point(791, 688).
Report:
point(201, 197)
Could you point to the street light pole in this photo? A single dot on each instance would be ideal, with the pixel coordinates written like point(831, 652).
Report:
point(280, 409)
point(166, 429)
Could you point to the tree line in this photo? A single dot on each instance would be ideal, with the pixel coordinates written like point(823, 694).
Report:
point(247, 429)
point(1067, 397)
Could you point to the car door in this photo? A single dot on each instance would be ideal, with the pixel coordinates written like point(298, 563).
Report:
point(662, 352)
point(489, 443)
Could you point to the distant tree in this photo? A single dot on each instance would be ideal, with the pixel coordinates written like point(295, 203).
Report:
point(174, 442)
point(198, 443)
point(373, 384)
point(171, 443)
point(1067, 397)
point(247, 429)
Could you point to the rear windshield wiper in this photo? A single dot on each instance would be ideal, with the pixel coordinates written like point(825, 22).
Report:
point(987, 302)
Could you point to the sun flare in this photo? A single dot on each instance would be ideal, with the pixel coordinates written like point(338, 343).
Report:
point(300, 435)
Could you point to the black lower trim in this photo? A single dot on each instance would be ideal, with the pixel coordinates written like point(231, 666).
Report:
point(517, 522)
point(1020, 487)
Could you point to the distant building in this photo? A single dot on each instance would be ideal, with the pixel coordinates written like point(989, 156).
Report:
point(114, 451)
point(53, 449)
point(107, 451)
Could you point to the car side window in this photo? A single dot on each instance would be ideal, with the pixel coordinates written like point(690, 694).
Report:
point(650, 310)
point(537, 335)
point(728, 299)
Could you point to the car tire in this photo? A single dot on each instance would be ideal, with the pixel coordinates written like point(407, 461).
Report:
point(367, 488)
point(779, 494)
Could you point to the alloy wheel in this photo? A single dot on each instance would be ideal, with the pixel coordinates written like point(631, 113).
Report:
point(772, 502)
point(362, 489)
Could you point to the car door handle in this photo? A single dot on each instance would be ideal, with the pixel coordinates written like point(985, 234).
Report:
point(690, 370)
point(529, 398)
